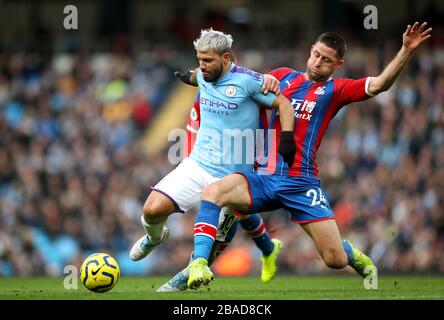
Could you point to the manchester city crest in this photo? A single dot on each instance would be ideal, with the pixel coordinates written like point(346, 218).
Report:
point(230, 91)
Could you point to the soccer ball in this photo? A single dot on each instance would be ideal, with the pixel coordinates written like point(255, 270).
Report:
point(99, 272)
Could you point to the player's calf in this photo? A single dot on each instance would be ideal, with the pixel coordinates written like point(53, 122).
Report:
point(156, 210)
point(334, 258)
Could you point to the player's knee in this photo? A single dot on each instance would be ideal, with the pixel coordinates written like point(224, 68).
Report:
point(154, 212)
point(334, 259)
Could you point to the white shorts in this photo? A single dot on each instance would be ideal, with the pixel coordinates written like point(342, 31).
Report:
point(184, 185)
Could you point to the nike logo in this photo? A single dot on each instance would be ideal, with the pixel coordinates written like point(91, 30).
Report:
point(94, 272)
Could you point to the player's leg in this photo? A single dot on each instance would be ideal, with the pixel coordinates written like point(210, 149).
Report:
point(309, 207)
point(271, 248)
point(247, 192)
point(156, 210)
point(335, 252)
point(254, 225)
point(231, 191)
point(256, 230)
point(177, 192)
point(326, 237)
point(225, 232)
point(179, 281)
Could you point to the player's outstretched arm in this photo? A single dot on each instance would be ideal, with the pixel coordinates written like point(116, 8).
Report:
point(412, 38)
point(189, 77)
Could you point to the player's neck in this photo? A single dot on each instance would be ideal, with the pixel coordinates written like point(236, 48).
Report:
point(225, 69)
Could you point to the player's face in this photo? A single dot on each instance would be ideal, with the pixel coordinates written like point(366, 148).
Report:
point(212, 64)
point(322, 62)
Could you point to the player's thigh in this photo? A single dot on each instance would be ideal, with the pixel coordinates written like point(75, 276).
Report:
point(310, 208)
point(306, 204)
point(231, 191)
point(183, 186)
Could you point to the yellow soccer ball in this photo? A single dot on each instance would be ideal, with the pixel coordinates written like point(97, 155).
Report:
point(100, 272)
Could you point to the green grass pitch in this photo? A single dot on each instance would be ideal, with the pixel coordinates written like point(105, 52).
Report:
point(281, 288)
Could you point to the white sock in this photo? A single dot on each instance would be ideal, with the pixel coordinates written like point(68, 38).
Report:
point(154, 231)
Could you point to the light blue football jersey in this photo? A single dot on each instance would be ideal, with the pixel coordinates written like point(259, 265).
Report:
point(229, 119)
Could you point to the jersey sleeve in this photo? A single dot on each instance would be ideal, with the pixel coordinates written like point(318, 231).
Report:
point(280, 72)
point(351, 90)
point(254, 87)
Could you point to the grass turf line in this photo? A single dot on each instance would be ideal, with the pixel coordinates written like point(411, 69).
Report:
point(281, 288)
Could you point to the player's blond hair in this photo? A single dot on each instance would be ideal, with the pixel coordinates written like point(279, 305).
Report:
point(212, 39)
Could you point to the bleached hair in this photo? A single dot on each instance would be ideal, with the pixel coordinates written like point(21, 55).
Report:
point(212, 39)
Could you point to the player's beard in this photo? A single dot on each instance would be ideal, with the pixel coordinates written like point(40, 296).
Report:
point(215, 74)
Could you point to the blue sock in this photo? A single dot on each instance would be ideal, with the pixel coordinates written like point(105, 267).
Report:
point(205, 229)
point(254, 225)
point(348, 250)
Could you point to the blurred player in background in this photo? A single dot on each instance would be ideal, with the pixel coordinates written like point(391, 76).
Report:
point(316, 98)
point(230, 99)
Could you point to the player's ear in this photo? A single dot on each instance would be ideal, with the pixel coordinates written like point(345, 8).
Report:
point(339, 63)
point(227, 57)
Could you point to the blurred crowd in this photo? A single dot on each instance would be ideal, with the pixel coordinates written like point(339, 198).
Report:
point(74, 173)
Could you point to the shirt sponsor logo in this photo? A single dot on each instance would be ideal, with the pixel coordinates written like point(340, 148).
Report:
point(303, 109)
point(218, 104)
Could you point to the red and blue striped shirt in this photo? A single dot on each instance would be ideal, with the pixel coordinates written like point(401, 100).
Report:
point(315, 104)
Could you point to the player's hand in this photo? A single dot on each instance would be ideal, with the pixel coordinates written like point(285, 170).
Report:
point(271, 84)
point(185, 77)
point(415, 35)
point(287, 147)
